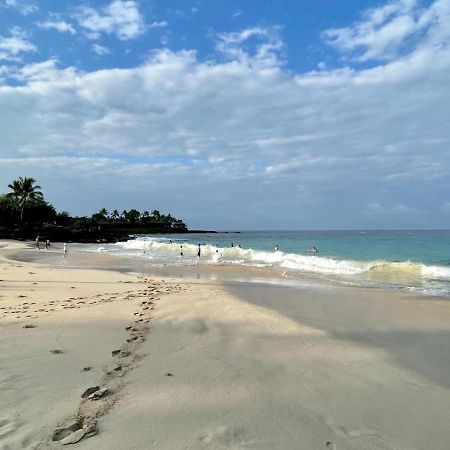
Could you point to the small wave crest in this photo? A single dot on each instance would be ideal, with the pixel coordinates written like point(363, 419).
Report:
point(377, 270)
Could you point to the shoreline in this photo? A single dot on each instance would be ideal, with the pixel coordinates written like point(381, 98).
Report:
point(223, 364)
point(221, 272)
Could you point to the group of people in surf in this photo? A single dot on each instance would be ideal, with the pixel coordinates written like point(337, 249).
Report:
point(313, 249)
point(199, 249)
point(37, 245)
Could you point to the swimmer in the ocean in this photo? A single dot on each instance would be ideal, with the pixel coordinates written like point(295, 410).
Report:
point(313, 250)
point(276, 248)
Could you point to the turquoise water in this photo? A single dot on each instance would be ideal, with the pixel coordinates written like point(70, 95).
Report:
point(427, 247)
point(413, 260)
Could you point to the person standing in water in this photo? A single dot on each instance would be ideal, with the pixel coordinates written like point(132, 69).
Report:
point(47, 244)
point(181, 250)
point(199, 251)
point(65, 250)
point(37, 243)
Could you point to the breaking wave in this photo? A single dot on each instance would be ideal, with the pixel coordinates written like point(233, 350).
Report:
point(378, 270)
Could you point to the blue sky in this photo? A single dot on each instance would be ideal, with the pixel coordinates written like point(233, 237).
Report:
point(232, 115)
point(193, 25)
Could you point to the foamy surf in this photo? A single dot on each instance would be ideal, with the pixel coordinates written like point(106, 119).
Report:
point(406, 274)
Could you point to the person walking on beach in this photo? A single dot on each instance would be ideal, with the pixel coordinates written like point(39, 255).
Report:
point(47, 244)
point(64, 250)
point(199, 251)
point(181, 250)
point(37, 243)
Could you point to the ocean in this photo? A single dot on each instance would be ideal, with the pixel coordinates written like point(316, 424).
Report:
point(410, 260)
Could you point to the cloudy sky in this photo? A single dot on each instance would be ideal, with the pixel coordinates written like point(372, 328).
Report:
point(232, 114)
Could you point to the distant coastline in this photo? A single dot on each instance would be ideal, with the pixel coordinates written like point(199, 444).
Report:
point(25, 214)
point(91, 235)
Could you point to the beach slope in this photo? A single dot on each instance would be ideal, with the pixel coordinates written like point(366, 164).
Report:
point(187, 364)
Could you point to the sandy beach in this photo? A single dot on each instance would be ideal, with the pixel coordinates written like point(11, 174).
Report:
point(192, 364)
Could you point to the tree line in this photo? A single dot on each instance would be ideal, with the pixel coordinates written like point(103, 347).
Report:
point(24, 206)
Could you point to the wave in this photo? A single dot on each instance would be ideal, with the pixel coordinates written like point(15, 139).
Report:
point(377, 270)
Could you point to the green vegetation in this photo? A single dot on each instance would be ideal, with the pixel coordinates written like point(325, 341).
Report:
point(25, 213)
point(25, 191)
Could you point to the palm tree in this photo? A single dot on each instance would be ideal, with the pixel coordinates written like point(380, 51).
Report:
point(132, 216)
point(103, 212)
point(25, 190)
point(156, 215)
point(115, 215)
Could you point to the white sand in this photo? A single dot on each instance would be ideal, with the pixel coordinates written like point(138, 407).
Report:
point(83, 314)
point(241, 375)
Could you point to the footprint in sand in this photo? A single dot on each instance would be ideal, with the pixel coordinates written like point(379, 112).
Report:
point(120, 353)
point(76, 431)
point(89, 391)
point(99, 393)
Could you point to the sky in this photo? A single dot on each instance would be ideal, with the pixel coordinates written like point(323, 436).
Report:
point(232, 115)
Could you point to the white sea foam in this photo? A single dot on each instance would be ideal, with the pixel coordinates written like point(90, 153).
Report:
point(374, 270)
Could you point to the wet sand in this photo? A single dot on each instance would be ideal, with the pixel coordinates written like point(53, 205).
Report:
point(217, 364)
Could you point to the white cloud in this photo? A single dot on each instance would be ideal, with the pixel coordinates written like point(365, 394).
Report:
point(120, 17)
point(239, 131)
point(24, 8)
point(15, 44)
point(394, 29)
point(59, 25)
point(101, 50)
point(44, 74)
point(176, 105)
point(258, 46)
point(160, 24)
